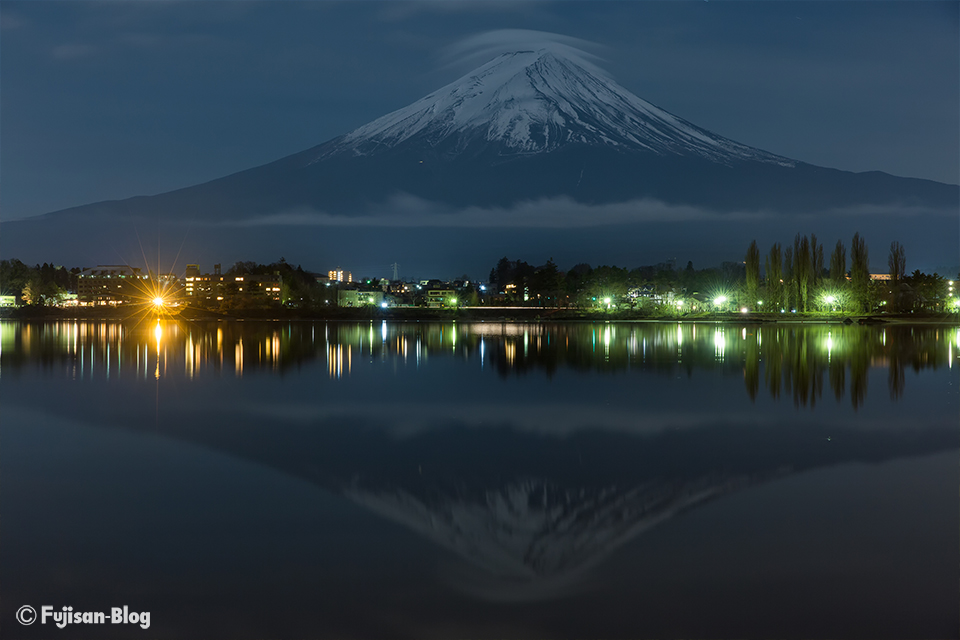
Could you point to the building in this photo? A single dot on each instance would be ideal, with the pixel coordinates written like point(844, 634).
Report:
point(215, 287)
point(339, 275)
point(360, 298)
point(268, 286)
point(203, 287)
point(111, 285)
point(439, 298)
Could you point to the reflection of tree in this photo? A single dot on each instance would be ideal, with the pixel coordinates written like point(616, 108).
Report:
point(792, 358)
point(751, 368)
point(799, 358)
point(838, 377)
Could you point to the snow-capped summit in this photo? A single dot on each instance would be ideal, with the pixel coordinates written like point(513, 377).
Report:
point(538, 101)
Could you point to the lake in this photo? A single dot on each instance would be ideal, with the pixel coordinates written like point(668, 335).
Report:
point(484, 480)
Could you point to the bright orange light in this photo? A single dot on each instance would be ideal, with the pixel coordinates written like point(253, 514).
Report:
point(158, 301)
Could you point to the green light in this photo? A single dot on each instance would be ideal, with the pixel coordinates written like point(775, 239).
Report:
point(719, 300)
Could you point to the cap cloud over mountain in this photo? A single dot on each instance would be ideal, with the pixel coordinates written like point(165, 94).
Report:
point(542, 125)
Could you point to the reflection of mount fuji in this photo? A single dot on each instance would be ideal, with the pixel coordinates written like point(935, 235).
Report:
point(537, 532)
point(536, 511)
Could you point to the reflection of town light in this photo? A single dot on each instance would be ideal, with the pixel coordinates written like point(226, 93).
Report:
point(829, 345)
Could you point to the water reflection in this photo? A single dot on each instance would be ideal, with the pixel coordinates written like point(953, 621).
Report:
point(790, 360)
point(537, 482)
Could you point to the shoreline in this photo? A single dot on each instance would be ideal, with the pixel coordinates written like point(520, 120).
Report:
point(473, 314)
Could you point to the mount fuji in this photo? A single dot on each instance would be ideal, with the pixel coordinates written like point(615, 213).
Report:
point(529, 128)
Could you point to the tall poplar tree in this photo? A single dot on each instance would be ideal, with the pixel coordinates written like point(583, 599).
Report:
point(860, 272)
point(897, 261)
point(802, 270)
point(774, 270)
point(838, 265)
point(752, 264)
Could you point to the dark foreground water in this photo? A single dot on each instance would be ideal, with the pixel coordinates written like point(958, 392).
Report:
point(376, 480)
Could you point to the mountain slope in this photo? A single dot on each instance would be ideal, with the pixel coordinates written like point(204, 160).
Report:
point(529, 126)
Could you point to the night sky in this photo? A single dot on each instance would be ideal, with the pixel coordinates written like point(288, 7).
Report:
point(108, 100)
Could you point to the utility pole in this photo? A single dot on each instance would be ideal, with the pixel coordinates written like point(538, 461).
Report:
point(396, 271)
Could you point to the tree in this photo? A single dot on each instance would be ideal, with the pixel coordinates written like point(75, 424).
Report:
point(860, 272)
point(502, 274)
point(789, 291)
point(546, 282)
point(774, 271)
point(816, 261)
point(838, 264)
point(14, 276)
point(37, 292)
point(898, 263)
point(802, 270)
point(752, 264)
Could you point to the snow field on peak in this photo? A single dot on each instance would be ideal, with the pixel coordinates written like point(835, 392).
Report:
point(535, 101)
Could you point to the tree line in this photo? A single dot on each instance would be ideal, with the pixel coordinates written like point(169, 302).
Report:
point(795, 278)
point(607, 286)
point(38, 285)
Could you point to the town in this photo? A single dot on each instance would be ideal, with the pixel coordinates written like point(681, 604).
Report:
point(794, 280)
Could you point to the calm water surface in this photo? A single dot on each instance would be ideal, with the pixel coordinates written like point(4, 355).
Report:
point(378, 480)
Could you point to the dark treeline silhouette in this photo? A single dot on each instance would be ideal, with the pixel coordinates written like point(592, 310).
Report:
point(38, 285)
point(795, 278)
point(609, 286)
